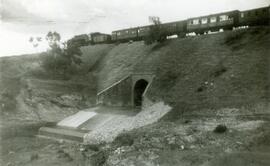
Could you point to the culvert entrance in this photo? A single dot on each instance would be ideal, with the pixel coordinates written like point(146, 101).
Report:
point(139, 89)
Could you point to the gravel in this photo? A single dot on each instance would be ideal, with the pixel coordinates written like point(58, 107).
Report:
point(109, 131)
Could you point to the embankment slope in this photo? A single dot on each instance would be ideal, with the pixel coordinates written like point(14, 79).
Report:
point(229, 69)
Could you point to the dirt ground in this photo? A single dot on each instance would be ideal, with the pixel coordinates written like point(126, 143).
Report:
point(20, 146)
point(193, 143)
point(188, 142)
point(26, 104)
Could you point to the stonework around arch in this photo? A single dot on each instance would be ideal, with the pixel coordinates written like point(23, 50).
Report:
point(122, 92)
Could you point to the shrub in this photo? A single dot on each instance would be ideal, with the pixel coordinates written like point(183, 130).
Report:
point(220, 129)
point(200, 89)
point(157, 32)
point(92, 147)
point(58, 65)
point(124, 139)
point(219, 72)
point(60, 60)
point(98, 158)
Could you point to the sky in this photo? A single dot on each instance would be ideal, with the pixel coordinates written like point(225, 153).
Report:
point(22, 19)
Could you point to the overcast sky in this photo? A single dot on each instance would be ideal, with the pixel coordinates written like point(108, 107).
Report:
point(21, 19)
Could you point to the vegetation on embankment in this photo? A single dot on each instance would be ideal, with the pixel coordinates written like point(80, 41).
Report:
point(229, 69)
point(29, 92)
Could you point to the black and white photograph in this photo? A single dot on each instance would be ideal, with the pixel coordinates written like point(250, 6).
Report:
point(134, 82)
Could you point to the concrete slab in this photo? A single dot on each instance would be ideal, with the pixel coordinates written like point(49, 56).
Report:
point(60, 133)
point(76, 126)
point(77, 119)
point(97, 121)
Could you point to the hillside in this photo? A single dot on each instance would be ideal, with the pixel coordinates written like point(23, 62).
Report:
point(222, 70)
point(229, 69)
point(28, 92)
point(194, 75)
point(119, 62)
point(209, 80)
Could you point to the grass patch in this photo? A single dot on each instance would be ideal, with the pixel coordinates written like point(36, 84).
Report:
point(124, 139)
point(234, 37)
point(219, 72)
point(158, 46)
point(99, 158)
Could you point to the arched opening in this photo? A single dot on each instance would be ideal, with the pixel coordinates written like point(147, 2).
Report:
point(139, 89)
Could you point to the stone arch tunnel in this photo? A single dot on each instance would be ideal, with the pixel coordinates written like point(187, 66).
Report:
point(127, 92)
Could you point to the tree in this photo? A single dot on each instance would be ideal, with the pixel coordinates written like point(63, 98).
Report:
point(35, 42)
point(157, 32)
point(62, 56)
point(51, 60)
point(53, 39)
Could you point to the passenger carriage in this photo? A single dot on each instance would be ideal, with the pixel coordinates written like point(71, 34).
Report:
point(199, 25)
point(125, 34)
point(97, 38)
point(260, 16)
point(214, 22)
point(175, 28)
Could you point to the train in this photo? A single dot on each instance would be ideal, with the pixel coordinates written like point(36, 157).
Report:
point(92, 38)
point(198, 25)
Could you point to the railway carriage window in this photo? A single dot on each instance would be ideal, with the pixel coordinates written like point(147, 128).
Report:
point(142, 30)
point(196, 21)
point(204, 21)
point(223, 18)
point(213, 19)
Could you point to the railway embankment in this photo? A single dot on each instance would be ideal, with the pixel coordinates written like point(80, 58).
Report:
point(208, 80)
point(206, 72)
